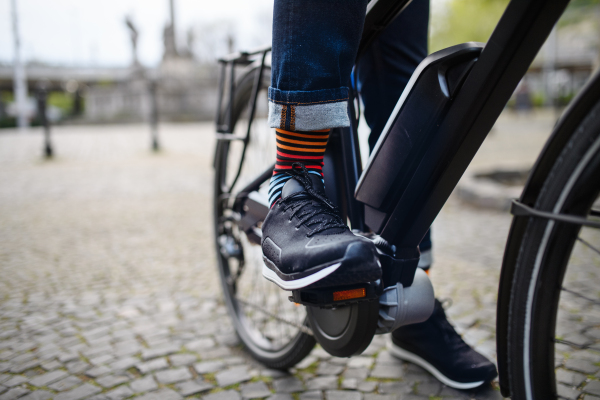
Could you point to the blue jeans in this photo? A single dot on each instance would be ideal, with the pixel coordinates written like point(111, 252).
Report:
point(314, 50)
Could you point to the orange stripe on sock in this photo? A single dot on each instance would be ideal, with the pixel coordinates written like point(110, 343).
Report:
point(321, 150)
point(304, 135)
point(302, 142)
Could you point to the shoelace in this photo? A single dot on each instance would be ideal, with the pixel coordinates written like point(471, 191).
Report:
point(321, 206)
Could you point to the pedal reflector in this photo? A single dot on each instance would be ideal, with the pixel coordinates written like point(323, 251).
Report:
point(349, 294)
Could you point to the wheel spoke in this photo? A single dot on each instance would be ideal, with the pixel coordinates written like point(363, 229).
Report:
point(588, 245)
point(574, 293)
point(575, 345)
point(302, 328)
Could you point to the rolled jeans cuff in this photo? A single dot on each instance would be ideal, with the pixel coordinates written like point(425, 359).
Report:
point(308, 110)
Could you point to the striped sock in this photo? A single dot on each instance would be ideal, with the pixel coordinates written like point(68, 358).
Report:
point(307, 148)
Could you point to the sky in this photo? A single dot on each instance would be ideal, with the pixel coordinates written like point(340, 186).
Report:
point(93, 32)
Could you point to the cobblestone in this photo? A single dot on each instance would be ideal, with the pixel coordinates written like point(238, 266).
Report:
point(192, 387)
point(108, 272)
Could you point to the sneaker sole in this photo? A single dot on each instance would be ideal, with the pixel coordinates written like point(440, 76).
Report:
point(415, 359)
point(357, 266)
point(302, 282)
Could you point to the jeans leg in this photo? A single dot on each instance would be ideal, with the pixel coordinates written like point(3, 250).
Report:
point(385, 69)
point(387, 65)
point(314, 48)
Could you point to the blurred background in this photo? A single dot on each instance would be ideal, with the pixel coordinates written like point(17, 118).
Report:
point(95, 59)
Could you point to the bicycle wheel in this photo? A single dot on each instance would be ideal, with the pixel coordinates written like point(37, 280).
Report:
point(272, 328)
point(555, 286)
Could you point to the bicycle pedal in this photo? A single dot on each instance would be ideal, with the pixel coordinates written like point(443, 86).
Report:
point(332, 297)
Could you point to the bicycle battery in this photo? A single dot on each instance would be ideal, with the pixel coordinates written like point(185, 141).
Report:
point(414, 123)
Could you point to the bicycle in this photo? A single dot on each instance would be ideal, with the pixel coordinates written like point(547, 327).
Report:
point(463, 89)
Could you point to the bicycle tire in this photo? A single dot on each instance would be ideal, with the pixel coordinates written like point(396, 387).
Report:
point(295, 348)
point(571, 187)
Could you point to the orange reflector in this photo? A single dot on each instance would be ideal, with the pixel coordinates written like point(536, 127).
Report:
point(349, 294)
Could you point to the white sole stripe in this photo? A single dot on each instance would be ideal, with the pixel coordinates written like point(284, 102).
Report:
point(299, 283)
point(408, 356)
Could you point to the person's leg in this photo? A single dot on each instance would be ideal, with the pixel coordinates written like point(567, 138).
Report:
point(314, 48)
point(305, 241)
point(383, 74)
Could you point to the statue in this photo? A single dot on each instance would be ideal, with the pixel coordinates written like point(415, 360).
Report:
point(169, 35)
point(133, 32)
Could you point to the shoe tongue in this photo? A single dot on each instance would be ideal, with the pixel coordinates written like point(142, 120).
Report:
point(292, 186)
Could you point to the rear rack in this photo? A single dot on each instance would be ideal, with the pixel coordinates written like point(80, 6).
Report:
point(224, 117)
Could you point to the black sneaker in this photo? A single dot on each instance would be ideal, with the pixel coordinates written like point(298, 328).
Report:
point(435, 346)
point(306, 243)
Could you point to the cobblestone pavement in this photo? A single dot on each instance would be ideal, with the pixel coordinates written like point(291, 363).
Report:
point(109, 289)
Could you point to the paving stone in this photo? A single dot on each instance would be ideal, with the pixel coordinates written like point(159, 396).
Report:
point(178, 360)
point(208, 367)
point(123, 364)
point(144, 384)
point(200, 344)
point(97, 372)
point(153, 365)
point(326, 368)
point(122, 392)
point(80, 392)
point(51, 365)
point(219, 352)
point(367, 386)
point(173, 375)
point(583, 366)
point(429, 388)
point(342, 395)
point(569, 377)
point(110, 381)
point(361, 362)
point(254, 390)
point(288, 385)
point(592, 388)
point(102, 359)
point(38, 395)
point(307, 362)
point(372, 396)
point(65, 384)
point(160, 351)
point(233, 360)
point(192, 387)
point(48, 378)
point(162, 394)
point(18, 369)
point(5, 377)
point(351, 384)
point(224, 395)
point(387, 371)
point(232, 376)
point(78, 367)
point(280, 396)
point(14, 393)
point(322, 383)
point(15, 381)
point(311, 395)
point(274, 373)
point(68, 357)
point(357, 373)
point(394, 387)
point(386, 358)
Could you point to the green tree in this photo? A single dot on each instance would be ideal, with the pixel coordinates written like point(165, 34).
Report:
point(459, 21)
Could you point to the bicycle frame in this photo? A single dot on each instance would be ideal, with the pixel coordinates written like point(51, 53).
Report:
point(472, 112)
